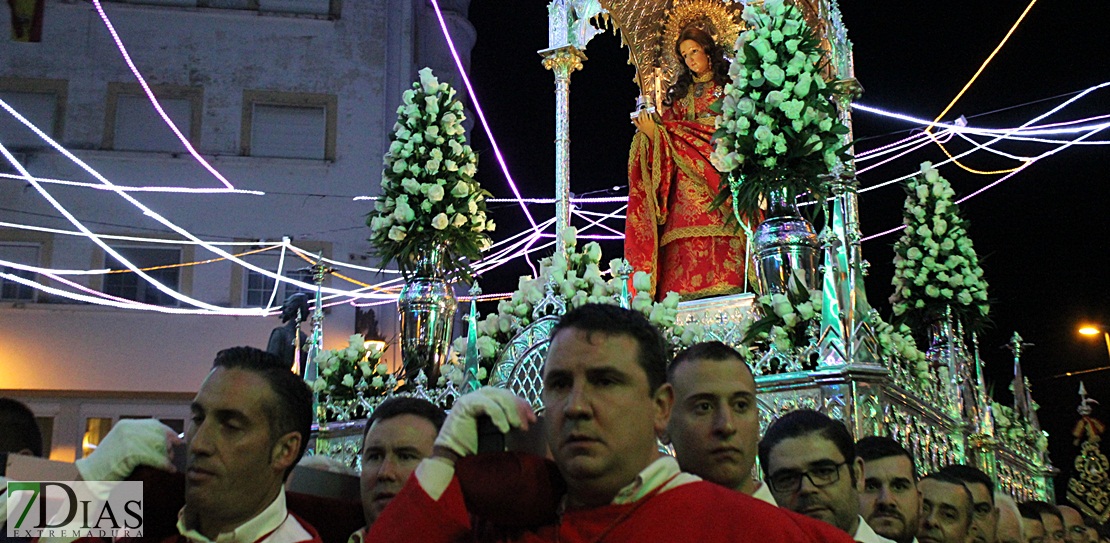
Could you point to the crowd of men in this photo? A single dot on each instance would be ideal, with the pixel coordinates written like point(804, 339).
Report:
point(609, 398)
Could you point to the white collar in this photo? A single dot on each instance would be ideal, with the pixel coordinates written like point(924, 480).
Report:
point(663, 471)
point(262, 525)
point(865, 534)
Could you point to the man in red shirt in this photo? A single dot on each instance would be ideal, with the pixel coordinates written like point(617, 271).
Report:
point(605, 403)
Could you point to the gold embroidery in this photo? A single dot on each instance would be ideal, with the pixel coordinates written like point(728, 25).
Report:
point(698, 231)
point(717, 290)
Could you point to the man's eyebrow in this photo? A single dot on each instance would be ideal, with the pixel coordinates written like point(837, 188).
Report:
point(605, 370)
point(231, 414)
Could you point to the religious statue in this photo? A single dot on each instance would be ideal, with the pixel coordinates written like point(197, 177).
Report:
point(288, 338)
point(670, 231)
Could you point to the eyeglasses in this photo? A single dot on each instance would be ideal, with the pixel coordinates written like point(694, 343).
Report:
point(790, 481)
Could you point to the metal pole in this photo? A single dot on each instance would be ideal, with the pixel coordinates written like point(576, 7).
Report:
point(562, 61)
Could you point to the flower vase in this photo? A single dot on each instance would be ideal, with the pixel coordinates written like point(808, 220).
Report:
point(426, 307)
point(784, 246)
point(937, 353)
point(942, 359)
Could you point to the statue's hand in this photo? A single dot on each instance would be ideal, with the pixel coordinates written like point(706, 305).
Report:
point(645, 123)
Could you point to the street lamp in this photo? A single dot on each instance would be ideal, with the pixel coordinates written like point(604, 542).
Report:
point(1089, 330)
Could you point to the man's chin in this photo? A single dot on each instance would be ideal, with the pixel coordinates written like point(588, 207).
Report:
point(581, 467)
point(885, 526)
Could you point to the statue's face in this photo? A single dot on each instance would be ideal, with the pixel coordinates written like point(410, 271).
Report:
point(693, 55)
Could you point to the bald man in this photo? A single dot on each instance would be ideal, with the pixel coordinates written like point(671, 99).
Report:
point(1008, 529)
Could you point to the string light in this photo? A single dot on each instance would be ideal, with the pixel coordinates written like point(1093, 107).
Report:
point(146, 211)
point(590, 200)
point(502, 256)
point(153, 100)
point(124, 188)
point(598, 223)
point(928, 129)
point(1001, 179)
point(1007, 131)
point(478, 110)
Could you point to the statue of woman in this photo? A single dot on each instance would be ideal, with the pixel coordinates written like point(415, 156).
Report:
point(669, 230)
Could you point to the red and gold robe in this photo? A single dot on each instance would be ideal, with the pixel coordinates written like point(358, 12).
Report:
point(669, 231)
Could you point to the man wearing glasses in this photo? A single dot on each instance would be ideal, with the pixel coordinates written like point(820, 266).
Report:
point(810, 464)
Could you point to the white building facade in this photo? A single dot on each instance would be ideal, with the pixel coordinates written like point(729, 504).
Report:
point(292, 98)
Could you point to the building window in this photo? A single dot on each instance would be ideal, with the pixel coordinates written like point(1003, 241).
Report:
point(259, 287)
point(320, 8)
point(133, 124)
point(24, 254)
point(40, 101)
point(289, 125)
point(95, 430)
point(129, 285)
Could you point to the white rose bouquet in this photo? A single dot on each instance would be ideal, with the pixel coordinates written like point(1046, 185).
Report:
point(578, 279)
point(343, 373)
point(429, 195)
point(935, 264)
point(789, 323)
point(778, 127)
point(785, 323)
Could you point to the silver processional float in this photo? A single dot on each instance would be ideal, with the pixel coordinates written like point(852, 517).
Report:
point(935, 403)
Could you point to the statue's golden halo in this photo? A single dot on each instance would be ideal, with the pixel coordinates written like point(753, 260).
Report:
point(719, 19)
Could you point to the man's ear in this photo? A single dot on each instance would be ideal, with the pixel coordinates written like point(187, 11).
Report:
point(857, 469)
point(664, 402)
point(284, 452)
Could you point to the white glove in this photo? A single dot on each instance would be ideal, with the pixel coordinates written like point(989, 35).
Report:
point(460, 430)
point(130, 443)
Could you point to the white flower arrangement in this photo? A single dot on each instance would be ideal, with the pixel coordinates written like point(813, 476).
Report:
point(782, 320)
point(789, 323)
point(1013, 428)
point(898, 342)
point(935, 264)
point(429, 195)
point(778, 126)
point(578, 280)
point(453, 372)
point(343, 373)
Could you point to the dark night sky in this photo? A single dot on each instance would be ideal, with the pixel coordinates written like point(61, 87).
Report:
point(1043, 233)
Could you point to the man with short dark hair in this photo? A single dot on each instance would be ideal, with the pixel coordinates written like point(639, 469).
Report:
point(1052, 520)
point(889, 501)
point(985, 519)
point(715, 424)
point(946, 509)
point(605, 403)
point(1074, 527)
point(1031, 524)
point(399, 435)
point(811, 467)
point(251, 421)
point(19, 434)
